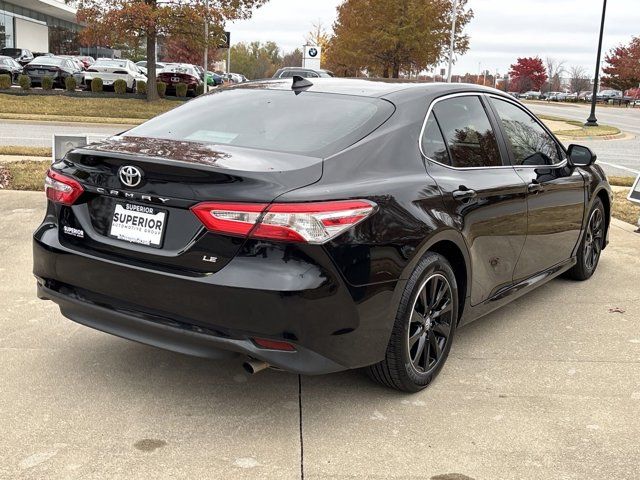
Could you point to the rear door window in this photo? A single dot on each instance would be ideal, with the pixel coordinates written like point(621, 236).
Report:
point(467, 132)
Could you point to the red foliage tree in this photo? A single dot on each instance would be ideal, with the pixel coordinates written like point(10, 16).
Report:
point(527, 73)
point(623, 66)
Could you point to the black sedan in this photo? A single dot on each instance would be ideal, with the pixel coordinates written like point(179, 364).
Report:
point(317, 226)
point(58, 68)
point(8, 66)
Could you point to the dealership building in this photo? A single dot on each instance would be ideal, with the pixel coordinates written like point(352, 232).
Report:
point(39, 26)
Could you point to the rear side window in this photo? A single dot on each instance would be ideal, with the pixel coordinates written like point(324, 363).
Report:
point(310, 123)
point(433, 145)
point(467, 132)
point(529, 142)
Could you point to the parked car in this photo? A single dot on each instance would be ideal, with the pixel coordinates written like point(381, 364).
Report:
point(531, 95)
point(142, 66)
point(338, 228)
point(110, 70)
point(174, 74)
point(288, 72)
point(550, 96)
point(8, 66)
point(20, 55)
point(566, 96)
point(609, 95)
point(58, 68)
point(214, 79)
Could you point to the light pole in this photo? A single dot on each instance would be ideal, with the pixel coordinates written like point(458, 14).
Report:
point(453, 37)
point(206, 44)
point(592, 121)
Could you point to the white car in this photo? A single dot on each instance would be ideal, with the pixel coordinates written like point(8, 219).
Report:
point(112, 69)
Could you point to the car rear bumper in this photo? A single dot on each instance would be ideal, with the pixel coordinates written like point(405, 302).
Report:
point(331, 325)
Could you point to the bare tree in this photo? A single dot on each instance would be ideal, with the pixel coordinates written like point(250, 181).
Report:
point(555, 69)
point(579, 79)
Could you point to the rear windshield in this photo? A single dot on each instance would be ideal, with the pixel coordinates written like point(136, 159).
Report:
point(111, 63)
point(310, 123)
point(180, 69)
point(48, 61)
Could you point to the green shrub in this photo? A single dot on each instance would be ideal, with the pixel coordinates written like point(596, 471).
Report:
point(5, 82)
point(70, 84)
point(141, 87)
point(25, 82)
point(120, 86)
point(47, 83)
point(200, 89)
point(96, 85)
point(181, 90)
point(162, 89)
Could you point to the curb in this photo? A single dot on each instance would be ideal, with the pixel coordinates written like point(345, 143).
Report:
point(618, 136)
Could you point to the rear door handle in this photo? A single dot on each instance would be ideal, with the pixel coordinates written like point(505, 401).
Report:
point(464, 194)
point(535, 187)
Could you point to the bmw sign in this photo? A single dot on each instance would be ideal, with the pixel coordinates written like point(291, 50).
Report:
point(311, 57)
point(313, 52)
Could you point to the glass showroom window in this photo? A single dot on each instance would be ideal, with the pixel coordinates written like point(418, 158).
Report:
point(6, 29)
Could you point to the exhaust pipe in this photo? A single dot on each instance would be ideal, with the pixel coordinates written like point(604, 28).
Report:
point(253, 366)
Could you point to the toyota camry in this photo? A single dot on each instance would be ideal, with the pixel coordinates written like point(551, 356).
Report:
point(319, 225)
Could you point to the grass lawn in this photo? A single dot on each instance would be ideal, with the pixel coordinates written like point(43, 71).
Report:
point(70, 109)
point(625, 210)
point(582, 132)
point(26, 151)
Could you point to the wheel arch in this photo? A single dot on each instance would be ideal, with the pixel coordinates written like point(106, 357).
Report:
point(451, 245)
point(603, 195)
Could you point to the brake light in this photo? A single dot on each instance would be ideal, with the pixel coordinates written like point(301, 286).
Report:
point(315, 222)
point(61, 189)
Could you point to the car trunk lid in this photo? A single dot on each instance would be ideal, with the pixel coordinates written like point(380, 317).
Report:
point(175, 176)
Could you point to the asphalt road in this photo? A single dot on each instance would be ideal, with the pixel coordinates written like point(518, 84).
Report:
point(40, 134)
point(624, 153)
point(545, 388)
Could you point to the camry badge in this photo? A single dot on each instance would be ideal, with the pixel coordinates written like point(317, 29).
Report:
point(130, 176)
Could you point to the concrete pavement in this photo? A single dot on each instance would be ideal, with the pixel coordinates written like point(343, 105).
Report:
point(545, 388)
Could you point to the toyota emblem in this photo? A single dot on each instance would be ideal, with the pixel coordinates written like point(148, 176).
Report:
point(130, 176)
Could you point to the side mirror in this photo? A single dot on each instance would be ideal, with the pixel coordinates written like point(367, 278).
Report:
point(580, 156)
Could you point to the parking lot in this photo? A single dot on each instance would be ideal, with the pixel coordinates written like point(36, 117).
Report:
point(547, 387)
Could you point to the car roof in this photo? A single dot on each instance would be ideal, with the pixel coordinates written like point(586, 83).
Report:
point(371, 87)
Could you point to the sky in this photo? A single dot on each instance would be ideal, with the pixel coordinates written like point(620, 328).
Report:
point(500, 31)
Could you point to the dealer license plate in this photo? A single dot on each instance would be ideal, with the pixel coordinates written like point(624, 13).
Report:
point(139, 224)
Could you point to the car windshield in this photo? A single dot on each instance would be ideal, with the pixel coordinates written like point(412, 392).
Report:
point(57, 61)
point(309, 123)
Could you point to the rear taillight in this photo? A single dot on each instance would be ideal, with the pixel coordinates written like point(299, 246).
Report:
point(315, 222)
point(61, 189)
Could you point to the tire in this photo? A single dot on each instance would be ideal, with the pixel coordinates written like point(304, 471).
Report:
point(591, 244)
point(402, 367)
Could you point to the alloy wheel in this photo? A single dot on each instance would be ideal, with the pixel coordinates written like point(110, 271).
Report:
point(430, 323)
point(593, 240)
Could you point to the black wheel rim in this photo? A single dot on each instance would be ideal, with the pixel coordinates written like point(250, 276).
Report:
point(430, 323)
point(593, 240)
